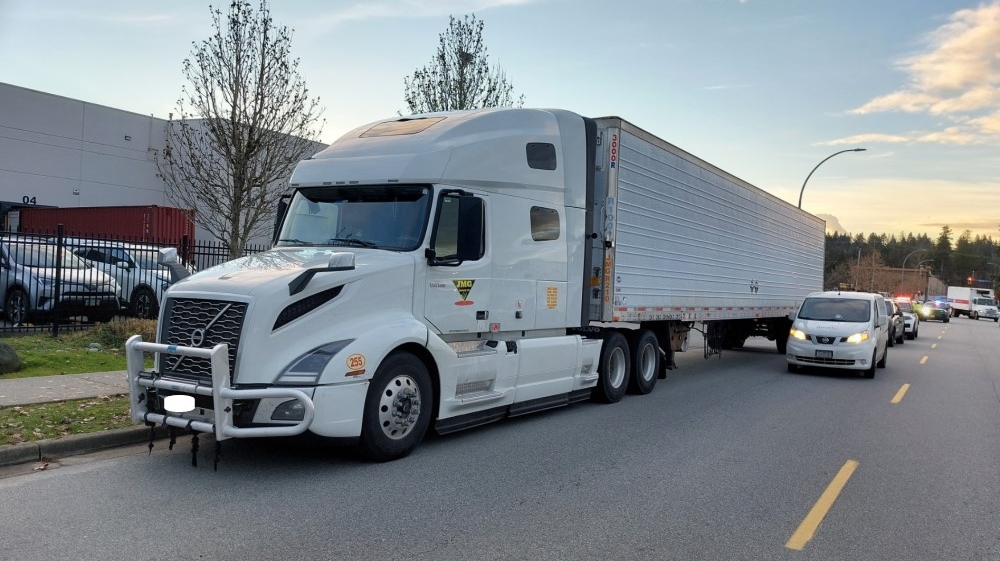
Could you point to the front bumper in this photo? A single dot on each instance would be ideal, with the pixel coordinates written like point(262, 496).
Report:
point(219, 417)
point(849, 356)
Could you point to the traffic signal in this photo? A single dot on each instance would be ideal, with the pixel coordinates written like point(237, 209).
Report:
point(968, 281)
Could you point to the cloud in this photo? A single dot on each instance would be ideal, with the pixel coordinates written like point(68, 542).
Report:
point(833, 225)
point(957, 77)
point(874, 138)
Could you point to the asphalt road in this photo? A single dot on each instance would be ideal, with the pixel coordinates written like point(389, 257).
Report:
point(728, 458)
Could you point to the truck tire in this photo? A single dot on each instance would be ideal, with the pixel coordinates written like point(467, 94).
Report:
point(613, 370)
point(645, 361)
point(885, 358)
point(974, 315)
point(398, 408)
point(15, 308)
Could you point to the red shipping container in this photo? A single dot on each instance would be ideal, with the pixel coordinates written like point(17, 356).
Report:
point(149, 224)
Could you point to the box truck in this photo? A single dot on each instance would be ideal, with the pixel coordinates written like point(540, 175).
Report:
point(973, 302)
point(442, 271)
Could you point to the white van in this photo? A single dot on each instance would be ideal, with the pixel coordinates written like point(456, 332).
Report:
point(848, 330)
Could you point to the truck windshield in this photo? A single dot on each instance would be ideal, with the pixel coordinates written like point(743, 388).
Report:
point(390, 217)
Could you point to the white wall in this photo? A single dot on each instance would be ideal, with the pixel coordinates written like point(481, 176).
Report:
point(61, 152)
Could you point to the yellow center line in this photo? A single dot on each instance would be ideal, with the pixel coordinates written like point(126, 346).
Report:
point(810, 524)
point(923, 360)
point(901, 393)
point(934, 345)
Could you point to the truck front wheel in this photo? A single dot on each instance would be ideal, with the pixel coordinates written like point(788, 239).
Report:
point(613, 370)
point(398, 408)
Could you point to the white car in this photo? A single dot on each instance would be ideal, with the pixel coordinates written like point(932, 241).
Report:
point(30, 269)
point(847, 330)
point(911, 319)
point(141, 270)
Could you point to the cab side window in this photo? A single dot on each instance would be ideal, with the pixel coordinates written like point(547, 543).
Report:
point(544, 224)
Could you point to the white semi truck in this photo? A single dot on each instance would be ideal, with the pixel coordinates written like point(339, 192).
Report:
point(447, 270)
point(972, 302)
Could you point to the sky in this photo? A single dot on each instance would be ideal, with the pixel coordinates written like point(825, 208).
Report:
point(764, 89)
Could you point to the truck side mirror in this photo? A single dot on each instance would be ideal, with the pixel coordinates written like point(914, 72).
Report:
point(459, 230)
point(279, 216)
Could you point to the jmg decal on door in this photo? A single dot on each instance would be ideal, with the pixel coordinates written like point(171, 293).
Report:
point(464, 287)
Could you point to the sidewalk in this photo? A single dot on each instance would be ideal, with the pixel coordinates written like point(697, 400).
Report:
point(44, 389)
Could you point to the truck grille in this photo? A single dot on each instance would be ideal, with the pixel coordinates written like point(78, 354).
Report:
point(192, 322)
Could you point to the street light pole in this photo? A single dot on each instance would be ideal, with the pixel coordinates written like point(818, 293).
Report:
point(821, 163)
point(928, 283)
point(902, 273)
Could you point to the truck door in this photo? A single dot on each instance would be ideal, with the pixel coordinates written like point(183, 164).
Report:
point(459, 274)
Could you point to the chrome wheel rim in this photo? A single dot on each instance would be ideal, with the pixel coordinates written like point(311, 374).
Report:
point(399, 407)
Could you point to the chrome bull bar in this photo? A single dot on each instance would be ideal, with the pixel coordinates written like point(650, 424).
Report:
point(221, 392)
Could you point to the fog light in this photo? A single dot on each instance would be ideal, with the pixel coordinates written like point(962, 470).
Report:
point(178, 403)
point(289, 411)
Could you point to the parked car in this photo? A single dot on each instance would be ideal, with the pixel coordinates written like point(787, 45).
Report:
point(28, 277)
point(848, 330)
point(142, 271)
point(897, 324)
point(911, 319)
point(935, 310)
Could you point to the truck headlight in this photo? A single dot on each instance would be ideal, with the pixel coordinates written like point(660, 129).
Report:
point(858, 337)
point(307, 368)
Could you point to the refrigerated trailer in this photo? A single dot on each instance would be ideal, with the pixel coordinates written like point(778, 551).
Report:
point(446, 270)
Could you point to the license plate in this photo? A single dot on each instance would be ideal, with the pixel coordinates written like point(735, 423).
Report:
point(824, 354)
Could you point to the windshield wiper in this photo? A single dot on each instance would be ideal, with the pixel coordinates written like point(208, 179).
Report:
point(296, 241)
point(352, 241)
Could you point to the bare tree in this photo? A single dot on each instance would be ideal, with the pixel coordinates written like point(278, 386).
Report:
point(459, 76)
point(246, 119)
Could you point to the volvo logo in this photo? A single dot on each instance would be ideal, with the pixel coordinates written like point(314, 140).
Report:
point(197, 337)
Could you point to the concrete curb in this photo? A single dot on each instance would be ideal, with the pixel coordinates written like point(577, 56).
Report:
point(74, 445)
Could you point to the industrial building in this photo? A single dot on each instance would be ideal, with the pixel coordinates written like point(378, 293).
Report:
point(61, 152)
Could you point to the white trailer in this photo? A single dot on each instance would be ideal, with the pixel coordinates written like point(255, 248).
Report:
point(452, 269)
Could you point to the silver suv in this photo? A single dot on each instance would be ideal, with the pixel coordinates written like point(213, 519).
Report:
point(897, 326)
point(28, 271)
point(142, 271)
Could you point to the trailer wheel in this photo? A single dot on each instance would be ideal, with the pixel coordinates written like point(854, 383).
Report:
point(613, 370)
point(398, 408)
point(645, 361)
